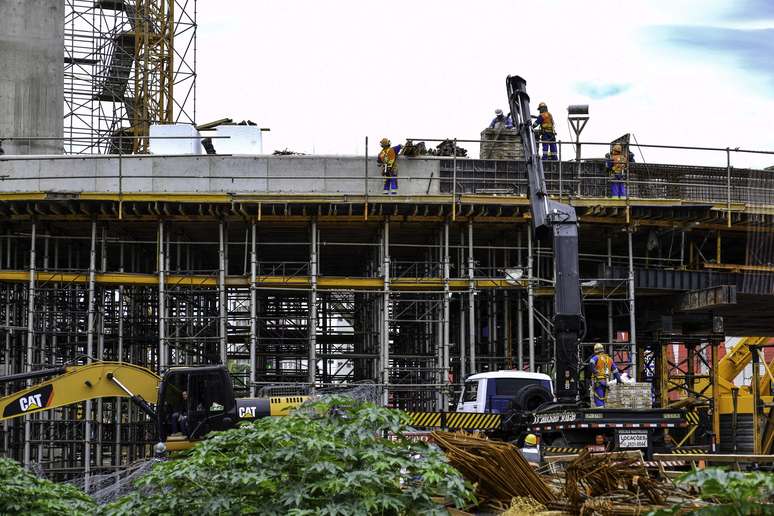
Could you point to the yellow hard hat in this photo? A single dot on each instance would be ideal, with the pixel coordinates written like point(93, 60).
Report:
point(617, 148)
point(385, 142)
point(542, 106)
point(598, 347)
point(530, 440)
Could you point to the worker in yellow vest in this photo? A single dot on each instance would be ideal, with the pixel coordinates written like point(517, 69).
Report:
point(388, 162)
point(603, 369)
point(546, 133)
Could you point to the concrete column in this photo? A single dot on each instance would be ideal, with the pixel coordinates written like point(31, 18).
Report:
point(471, 300)
point(507, 330)
point(313, 305)
point(253, 307)
point(31, 85)
point(161, 258)
point(30, 340)
point(90, 344)
point(222, 292)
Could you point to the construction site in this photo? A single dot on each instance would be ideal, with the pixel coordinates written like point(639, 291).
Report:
point(118, 243)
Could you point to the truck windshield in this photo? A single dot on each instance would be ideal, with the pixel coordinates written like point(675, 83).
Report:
point(471, 391)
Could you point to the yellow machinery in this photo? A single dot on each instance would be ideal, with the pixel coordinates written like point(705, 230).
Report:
point(189, 401)
point(733, 406)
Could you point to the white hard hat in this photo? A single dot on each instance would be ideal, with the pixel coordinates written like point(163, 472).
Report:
point(498, 111)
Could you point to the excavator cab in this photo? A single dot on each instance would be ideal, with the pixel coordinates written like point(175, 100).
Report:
point(194, 401)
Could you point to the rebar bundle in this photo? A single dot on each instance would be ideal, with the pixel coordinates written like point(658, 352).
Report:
point(497, 468)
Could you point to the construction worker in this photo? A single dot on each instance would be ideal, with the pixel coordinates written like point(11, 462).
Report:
point(500, 120)
point(546, 132)
point(388, 161)
point(602, 369)
point(531, 449)
point(617, 165)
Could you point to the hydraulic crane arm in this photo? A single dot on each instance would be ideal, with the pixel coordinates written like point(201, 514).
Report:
point(554, 218)
point(81, 383)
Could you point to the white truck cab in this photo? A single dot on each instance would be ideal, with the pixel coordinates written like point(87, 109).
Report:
point(503, 391)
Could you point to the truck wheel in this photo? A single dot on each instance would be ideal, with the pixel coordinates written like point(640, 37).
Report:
point(532, 396)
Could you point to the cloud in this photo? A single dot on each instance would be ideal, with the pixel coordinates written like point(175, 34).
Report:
point(750, 10)
point(752, 50)
point(598, 90)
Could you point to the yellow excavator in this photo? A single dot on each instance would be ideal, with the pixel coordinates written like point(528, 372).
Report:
point(185, 402)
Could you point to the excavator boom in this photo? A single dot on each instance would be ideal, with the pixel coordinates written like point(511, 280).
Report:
point(81, 383)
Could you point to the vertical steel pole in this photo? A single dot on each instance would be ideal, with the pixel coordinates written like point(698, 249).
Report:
point(561, 189)
point(446, 300)
point(253, 307)
point(530, 304)
point(471, 299)
point(632, 314)
point(119, 352)
point(519, 308)
point(757, 403)
point(313, 306)
point(365, 181)
point(462, 343)
point(728, 185)
point(90, 345)
point(222, 314)
point(507, 330)
point(610, 328)
point(30, 340)
point(385, 344)
point(162, 299)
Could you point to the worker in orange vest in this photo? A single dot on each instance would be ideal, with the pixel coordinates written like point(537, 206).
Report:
point(388, 161)
point(602, 368)
point(546, 132)
point(618, 165)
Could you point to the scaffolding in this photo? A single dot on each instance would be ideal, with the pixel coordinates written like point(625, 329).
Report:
point(128, 64)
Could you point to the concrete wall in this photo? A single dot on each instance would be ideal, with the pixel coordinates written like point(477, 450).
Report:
point(201, 174)
point(31, 74)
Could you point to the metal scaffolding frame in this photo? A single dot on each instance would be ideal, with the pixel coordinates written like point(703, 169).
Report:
point(128, 64)
point(303, 301)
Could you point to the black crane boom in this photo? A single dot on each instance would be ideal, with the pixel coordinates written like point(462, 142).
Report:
point(550, 217)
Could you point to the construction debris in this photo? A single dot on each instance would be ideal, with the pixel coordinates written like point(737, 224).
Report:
point(497, 468)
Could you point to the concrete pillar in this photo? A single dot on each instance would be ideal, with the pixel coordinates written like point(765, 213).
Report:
point(32, 80)
point(530, 304)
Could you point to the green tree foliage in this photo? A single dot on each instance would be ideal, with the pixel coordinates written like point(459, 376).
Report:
point(23, 493)
point(732, 493)
point(330, 457)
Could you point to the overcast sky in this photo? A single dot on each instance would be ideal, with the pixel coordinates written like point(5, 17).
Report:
point(324, 75)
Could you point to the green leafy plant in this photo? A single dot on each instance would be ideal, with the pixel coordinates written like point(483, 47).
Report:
point(730, 492)
point(330, 457)
point(23, 493)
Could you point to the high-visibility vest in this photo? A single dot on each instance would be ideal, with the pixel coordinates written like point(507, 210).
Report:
point(388, 157)
point(546, 122)
point(603, 368)
point(619, 163)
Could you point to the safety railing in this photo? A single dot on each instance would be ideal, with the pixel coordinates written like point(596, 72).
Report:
point(435, 175)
